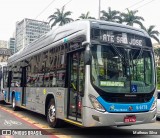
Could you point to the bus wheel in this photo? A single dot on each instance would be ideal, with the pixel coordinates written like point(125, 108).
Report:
point(51, 115)
point(14, 107)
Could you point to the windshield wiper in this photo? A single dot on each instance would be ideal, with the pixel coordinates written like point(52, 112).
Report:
point(114, 47)
point(138, 57)
point(124, 61)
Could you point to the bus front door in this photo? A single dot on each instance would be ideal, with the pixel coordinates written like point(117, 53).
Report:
point(75, 85)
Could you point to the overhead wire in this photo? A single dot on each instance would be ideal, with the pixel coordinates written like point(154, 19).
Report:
point(71, 0)
point(42, 12)
point(144, 5)
point(37, 17)
point(67, 3)
point(45, 8)
point(133, 5)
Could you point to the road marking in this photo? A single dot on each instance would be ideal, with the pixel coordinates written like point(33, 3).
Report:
point(11, 122)
point(52, 132)
point(73, 122)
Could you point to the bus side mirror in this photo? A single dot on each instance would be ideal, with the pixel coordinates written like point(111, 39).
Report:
point(87, 57)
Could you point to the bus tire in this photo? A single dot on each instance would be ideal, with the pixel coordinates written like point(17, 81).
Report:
point(51, 115)
point(14, 107)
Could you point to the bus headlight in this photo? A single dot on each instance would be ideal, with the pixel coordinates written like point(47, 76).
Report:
point(153, 105)
point(96, 104)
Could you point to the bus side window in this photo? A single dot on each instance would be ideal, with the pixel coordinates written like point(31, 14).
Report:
point(51, 64)
point(61, 78)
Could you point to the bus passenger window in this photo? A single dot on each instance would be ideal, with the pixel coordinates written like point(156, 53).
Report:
point(52, 79)
point(61, 78)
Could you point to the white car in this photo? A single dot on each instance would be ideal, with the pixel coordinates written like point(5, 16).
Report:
point(158, 104)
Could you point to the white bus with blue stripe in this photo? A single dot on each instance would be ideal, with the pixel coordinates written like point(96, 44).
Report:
point(88, 73)
point(2, 72)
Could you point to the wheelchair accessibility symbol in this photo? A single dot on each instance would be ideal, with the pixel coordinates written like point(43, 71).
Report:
point(134, 88)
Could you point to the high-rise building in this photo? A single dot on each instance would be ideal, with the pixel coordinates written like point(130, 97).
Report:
point(29, 30)
point(3, 44)
point(11, 45)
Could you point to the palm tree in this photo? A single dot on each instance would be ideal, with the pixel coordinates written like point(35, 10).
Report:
point(157, 52)
point(112, 16)
point(151, 32)
point(86, 16)
point(130, 18)
point(60, 17)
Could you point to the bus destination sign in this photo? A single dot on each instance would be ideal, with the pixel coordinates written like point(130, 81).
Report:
point(121, 38)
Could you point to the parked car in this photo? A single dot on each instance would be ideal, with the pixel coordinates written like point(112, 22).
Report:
point(158, 105)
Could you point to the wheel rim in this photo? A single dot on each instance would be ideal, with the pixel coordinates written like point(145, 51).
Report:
point(13, 103)
point(52, 113)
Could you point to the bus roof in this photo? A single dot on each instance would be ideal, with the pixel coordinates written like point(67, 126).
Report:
point(57, 34)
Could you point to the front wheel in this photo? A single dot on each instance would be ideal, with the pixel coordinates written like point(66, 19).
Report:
point(14, 107)
point(51, 115)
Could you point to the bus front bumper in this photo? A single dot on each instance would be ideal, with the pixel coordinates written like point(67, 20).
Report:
point(93, 118)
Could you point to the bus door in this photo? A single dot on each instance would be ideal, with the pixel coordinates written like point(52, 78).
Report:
point(75, 84)
point(8, 83)
point(23, 86)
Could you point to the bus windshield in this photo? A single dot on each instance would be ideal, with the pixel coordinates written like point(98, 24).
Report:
point(116, 69)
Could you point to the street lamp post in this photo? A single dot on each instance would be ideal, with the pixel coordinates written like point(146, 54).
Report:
point(99, 9)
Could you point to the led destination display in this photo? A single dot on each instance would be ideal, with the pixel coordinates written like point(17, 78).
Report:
point(115, 37)
point(121, 38)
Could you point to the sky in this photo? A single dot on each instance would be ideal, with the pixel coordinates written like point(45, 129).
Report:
point(12, 11)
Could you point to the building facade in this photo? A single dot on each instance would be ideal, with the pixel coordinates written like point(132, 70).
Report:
point(11, 45)
point(4, 54)
point(29, 30)
point(3, 44)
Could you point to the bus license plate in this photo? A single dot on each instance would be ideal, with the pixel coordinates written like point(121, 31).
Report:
point(129, 119)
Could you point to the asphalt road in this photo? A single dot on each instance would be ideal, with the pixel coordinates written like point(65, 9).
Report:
point(28, 121)
point(16, 125)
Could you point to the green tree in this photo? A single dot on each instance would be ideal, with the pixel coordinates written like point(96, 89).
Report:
point(61, 17)
point(130, 18)
point(111, 15)
point(158, 77)
point(157, 51)
point(152, 32)
point(86, 16)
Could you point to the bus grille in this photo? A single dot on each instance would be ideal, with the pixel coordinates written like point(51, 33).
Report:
point(121, 99)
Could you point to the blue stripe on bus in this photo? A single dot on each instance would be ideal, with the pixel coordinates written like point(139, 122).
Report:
point(18, 96)
point(129, 107)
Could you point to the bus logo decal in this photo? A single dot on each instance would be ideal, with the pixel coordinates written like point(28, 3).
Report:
point(130, 108)
point(112, 107)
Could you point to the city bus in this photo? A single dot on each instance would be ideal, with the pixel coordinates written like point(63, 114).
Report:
point(2, 70)
point(89, 73)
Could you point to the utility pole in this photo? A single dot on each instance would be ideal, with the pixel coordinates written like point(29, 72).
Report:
point(99, 11)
